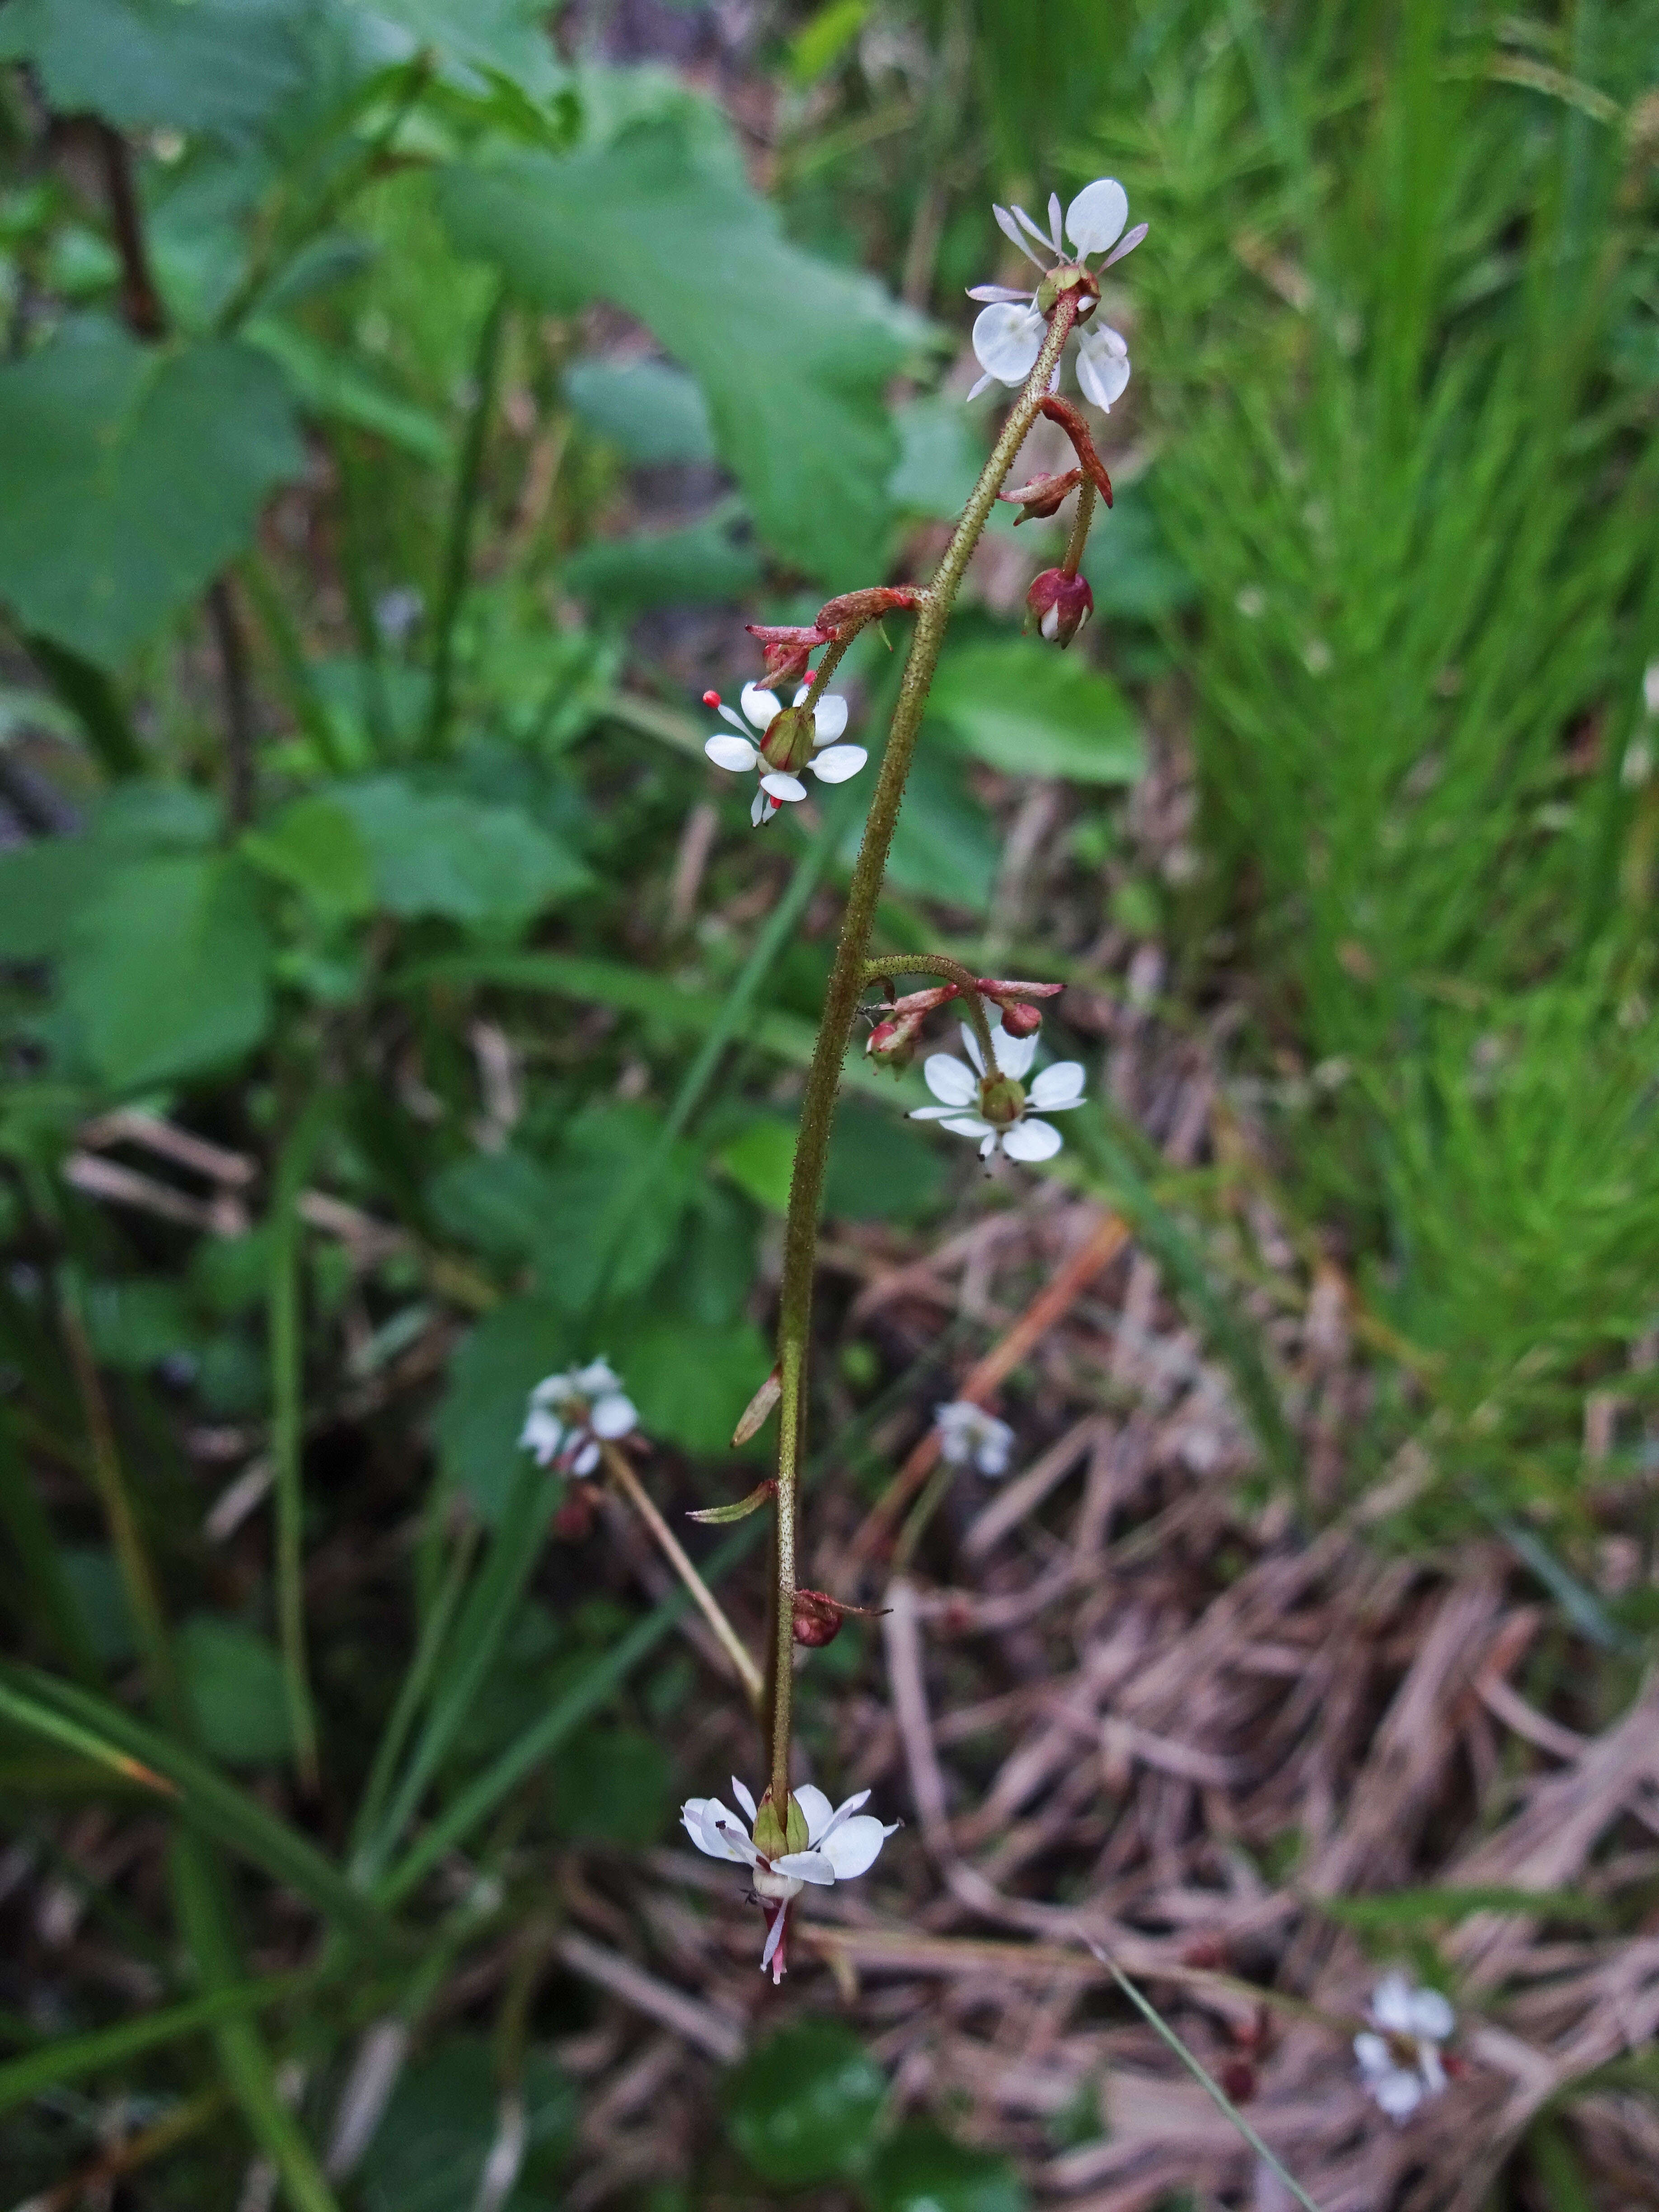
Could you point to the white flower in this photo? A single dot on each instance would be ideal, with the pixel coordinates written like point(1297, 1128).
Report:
point(996, 1109)
point(969, 1437)
point(570, 1414)
point(1398, 2054)
point(1008, 334)
point(828, 761)
point(840, 1845)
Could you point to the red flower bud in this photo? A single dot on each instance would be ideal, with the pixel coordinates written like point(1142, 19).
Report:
point(1058, 605)
point(818, 1616)
point(1021, 1021)
point(892, 1043)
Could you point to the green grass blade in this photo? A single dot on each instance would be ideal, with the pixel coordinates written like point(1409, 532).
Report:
point(26, 1522)
point(1217, 2095)
point(204, 1922)
point(287, 1383)
point(91, 1724)
point(72, 2057)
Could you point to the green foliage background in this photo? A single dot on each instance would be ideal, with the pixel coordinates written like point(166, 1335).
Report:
point(344, 715)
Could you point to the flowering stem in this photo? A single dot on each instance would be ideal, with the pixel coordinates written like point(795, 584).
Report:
point(847, 980)
point(1085, 514)
point(623, 1475)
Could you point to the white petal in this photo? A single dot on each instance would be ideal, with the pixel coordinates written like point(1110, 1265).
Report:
point(761, 811)
point(1007, 340)
point(553, 1390)
point(1096, 215)
point(712, 1829)
point(1011, 231)
point(1392, 2005)
point(836, 764)
point(988, 1147)
point(1031, 1141)
point(1127, 244)
point(970, 1046)
point(1059, 1087)
point(586, 1459)
point(761, 706)
point(541, 1433)
point(979, 384)
point(1399, 2094)
point(745, 1796)
point(1032, 231)
point(845, 1811)
point(815, 1809)
point(1103, 372)
point(614, 1416)
point(774, 1937)
point(968, 1125)
point(807, 1866)
point(598, 1377)
point(829, 716)
point(783, 786)
point(735, 754)
point(949, 1080)
point(1014, 1055)
point(855, 1846)
point(1002, 293)
point(1050, 624)
point(930, 1113)
point(1374, 2056)
point(1432, 2015)
point(1054, 222)
point(1433, 2073)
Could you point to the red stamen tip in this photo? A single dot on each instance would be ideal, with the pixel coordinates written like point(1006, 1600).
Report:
point(711, 698)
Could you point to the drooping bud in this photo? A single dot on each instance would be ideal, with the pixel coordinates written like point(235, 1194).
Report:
point(844, 618)
point(1058, 605)
point(787, 648)
point(1042, 497)
point(892, 1043)
point(1021, 1021)
point(818, 1617)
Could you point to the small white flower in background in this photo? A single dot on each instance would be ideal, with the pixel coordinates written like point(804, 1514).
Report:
point(840, 1844)
point(996, 1108)
point(1008, 334)
point(1398, 2054)
point(781, 762)
point(570, 1414)
point(969, 1437)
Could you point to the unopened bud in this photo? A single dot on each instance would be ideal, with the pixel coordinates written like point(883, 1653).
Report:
point(845, 616)
point(893, 1043)
point(1020, 1021)
point(1058, 605)
point(787, 647)
point(818, 1617)
point(1042, 497)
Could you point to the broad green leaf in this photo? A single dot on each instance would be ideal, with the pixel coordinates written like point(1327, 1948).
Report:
point(445, 854)
point(498, 1203)
point(164, 975)
point(491, 1376)
point(803, 2106)
point(100, 1599)
point(882, 1167)
point(234, 1679)
point(429, 2152)
point(698, 566)
point(498, 38)
point(760, 1159)
point(649, 411)
point(824, 37)
point(792, 353)
point(921, 2169)
point(940, 456)
point(1031, 709)
point(944, 848)
point(219, 65)
point(132, 473)
point(43, 886)
point(692, 1380)
point(589, 1190)
point(134, 1324)
point(1130, 568)
point(315, 846)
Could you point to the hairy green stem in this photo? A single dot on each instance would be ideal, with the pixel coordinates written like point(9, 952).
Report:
point(840, 1008)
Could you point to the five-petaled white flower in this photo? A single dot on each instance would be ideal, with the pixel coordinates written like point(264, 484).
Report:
point(969, 1437)
point(782, 747)
point(997, 1108)
point(1398, 2054)
point(571, 1414)
point(1008, 334)
point(840, 1844)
